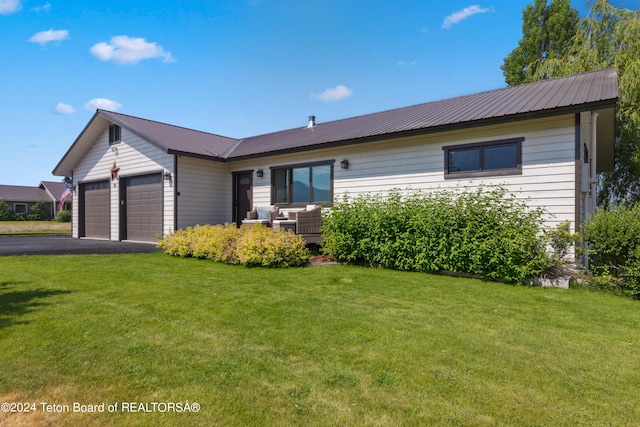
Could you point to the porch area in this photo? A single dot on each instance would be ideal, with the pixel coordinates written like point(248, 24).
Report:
point(306, 222)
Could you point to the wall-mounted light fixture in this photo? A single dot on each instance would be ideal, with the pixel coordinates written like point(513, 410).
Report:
point(344, 164)
point(115, 150)
point(259, 173)
point(167, 176)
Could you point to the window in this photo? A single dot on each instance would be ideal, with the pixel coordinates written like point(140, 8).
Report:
point(20, 208)
point(114, 134)
point(502, 157)
point(302, 184)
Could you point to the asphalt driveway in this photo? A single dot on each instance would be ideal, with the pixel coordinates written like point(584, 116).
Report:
point(66, 245)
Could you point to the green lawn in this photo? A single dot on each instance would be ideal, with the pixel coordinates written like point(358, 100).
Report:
point(315, 346)
point(13, 228)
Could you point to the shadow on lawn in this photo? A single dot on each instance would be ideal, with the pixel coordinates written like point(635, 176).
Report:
point(16, 303)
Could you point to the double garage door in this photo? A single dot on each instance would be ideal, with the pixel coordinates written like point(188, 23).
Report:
point(140, 209)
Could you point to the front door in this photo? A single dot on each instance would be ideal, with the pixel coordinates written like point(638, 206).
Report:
point(242, 195)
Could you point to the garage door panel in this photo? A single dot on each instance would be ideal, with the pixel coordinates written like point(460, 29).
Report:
point(144, 207)
point(97, 218)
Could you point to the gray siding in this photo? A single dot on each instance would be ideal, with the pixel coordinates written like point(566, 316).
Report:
point(548, 165)
point(202, 185)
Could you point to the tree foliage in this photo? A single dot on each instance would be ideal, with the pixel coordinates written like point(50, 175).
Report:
point(547, 32)
point(5, 211)
point(39, 211)
point(610, 37)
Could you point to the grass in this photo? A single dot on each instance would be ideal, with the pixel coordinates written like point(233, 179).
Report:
point(315, 346)
point(14, 228)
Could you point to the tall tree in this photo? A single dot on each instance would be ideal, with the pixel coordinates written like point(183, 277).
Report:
point(610, 37)
point(547, 31)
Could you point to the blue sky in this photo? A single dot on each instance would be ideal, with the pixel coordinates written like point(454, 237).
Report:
point(234, 67)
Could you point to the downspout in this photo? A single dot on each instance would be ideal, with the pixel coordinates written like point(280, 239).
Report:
point(592, 176)
point(593, 180)
point(175, 192)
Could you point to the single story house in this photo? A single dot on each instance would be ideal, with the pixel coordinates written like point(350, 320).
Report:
point(137, 179)
point(22, 198)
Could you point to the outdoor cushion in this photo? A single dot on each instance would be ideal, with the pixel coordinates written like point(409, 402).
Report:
point(262, 214)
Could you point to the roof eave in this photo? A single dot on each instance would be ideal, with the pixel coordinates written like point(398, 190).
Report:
point(61, 170)
point(572, 109)
point(196, 155)
point(122, 124)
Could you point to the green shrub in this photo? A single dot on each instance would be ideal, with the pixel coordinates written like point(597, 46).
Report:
point(178, 243)
point(561, 240)
point(5, 211)
point(612, 239)
point(483, 232)
point(63, 216)
point(261, 247)
point(216, 243)
point(39, 212)
point(250, 245)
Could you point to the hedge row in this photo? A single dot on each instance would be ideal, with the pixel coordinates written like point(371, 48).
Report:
point(612, 242)
point(484, 232)
point(248, 245)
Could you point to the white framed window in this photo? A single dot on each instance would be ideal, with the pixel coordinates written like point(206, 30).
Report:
point(20, 208)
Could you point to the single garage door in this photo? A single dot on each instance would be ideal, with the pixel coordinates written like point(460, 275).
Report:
point(95, 210)
point(144, 207)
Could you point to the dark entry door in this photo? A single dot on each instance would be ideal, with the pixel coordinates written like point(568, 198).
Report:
point(242, 195)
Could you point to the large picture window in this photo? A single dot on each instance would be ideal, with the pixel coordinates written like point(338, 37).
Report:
point(503, 157)
point(302, 184)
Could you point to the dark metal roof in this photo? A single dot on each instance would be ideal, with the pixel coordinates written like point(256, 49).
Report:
point(19, 193)
point(55, 189)
point(582, 92)
point(174, 139)
point(571, 94)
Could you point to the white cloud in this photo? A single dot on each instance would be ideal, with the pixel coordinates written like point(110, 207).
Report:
point(9, 6)
point(64, 108)
point(103, 104)
point(333, 94)
point(44, 37)
point(44, 8)
point(463, 14)
point(128, 50)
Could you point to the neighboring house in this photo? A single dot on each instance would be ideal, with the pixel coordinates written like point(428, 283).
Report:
point(136, 179)
point(22, 198)
point(55, 191)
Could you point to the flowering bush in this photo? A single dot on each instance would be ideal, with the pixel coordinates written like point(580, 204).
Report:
point(249, 245)
point(260, 246)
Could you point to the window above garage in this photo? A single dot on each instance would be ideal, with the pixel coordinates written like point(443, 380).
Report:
point(114, 134)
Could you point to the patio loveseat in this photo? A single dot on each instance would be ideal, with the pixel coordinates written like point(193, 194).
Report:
point(306, 221)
